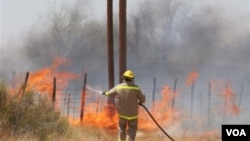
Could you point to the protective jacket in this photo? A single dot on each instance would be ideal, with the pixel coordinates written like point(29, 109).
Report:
point(129, 96)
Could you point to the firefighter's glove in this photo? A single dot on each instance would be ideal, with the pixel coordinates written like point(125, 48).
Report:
point(140, 103)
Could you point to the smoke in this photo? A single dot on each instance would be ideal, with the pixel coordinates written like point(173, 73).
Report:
point(165, 39)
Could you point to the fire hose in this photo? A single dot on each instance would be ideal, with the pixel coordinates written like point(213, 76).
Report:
point(157, 123)
point(100, 92)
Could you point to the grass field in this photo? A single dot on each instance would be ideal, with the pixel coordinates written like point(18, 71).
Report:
point(24, 118)
point(100, 135)
point(93, 134)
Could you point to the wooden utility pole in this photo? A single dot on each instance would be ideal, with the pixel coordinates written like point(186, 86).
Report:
point(110, 50)
point(122, 35)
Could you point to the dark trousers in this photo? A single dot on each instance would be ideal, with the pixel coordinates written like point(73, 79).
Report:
point(132, 129)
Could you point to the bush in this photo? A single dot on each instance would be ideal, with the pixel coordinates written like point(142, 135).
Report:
point(28, 114)
point(3, 96)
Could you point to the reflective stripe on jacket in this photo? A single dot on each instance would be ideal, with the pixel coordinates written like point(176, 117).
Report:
point(129, 95)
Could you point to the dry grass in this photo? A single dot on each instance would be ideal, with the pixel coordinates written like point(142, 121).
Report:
point(26, 120)
point(24, 117)
point(91, 134)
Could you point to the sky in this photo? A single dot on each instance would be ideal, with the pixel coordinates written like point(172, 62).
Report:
point(18, 17)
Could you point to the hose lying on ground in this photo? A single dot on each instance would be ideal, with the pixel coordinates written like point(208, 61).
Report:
point(157, 123)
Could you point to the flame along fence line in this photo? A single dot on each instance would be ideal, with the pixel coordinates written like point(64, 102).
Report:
point(195, 102)
point(69, 101)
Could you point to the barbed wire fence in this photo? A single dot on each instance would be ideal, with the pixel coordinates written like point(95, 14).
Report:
point(69, 102)
point(191, 100)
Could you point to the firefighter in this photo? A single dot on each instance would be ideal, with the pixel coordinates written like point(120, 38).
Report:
point(129, 96)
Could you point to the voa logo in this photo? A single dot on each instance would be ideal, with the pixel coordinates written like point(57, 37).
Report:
point(236, 132)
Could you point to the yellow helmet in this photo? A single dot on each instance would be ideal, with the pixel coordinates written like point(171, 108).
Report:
point(128, 74)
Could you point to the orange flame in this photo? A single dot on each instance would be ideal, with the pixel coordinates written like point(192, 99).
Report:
point(193, 76)
point(103, 119)
point(230, 106)
point(227, 93)
point(106, 120)
point(42, 80)
point(161, 111)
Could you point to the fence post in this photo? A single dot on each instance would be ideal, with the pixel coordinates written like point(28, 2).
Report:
point(201, 104)
point(174, 93)
point(97, 104)
point(25, 82)
point(154, 89)
point(83, 96)
point(54, 92)
point(192, 98)
point(241, 94)
point(209, 104)
point(226, 102)
point(68, 105)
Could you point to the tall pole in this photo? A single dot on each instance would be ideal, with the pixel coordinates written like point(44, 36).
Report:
point(110, 47)
point(122, 35)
